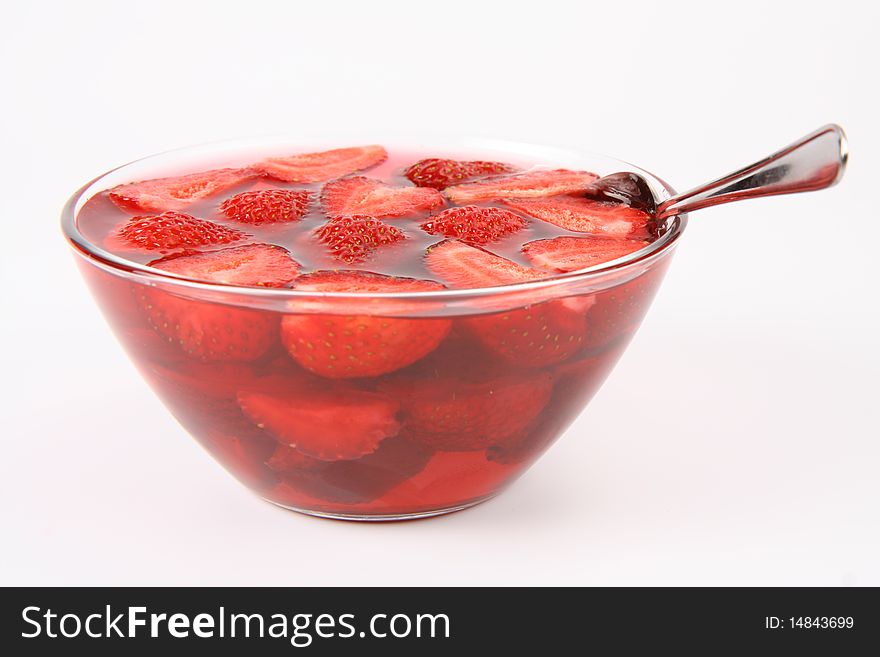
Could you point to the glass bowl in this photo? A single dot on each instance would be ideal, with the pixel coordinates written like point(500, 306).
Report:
point(452, 429)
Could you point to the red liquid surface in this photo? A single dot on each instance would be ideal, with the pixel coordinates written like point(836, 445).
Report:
point(458, 418)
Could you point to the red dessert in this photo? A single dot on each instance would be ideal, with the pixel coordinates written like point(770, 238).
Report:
point(399, 401)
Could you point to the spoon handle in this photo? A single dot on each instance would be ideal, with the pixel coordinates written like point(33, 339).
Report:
point(813, 162)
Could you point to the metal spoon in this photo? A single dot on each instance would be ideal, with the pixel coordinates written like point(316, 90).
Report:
point(813, 162)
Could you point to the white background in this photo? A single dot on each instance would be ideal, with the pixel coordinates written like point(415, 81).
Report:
point(736, 443)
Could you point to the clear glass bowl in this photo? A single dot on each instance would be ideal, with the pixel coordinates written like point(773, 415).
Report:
point(460, 424)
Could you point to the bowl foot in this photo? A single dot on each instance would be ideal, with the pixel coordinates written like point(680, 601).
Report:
point(389, 517)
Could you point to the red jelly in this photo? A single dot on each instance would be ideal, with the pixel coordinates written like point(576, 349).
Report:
point(368, 332)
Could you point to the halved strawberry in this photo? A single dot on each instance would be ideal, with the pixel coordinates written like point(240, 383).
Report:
point(451, 479)
point(215, 331)
point(370, 476)
point(374, 198)
point(474, 224)
point(243, 458)
point(466, 266)
point(619, 310)
point(350, 346)
point(176, 193)
point(327, 424)
point(531, 184)
point(456, 414)
point(353, 238)
point(193, 379)
point(535, 336)
point(440, 173)
point(207, 331)
point(256, 265)
point(616, 311)
point(267, 206)
point(171, 231)
point(202, 397)
point(575, 383)
point(540, 334)
point(350, 482)
point(144, 342)
point(565, 254)
point(583, 215)
point(286, 458)
point(325, 165)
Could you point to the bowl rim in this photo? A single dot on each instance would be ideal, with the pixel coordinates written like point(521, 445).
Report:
point(109, 261)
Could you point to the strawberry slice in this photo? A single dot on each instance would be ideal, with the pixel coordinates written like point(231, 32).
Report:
point(178, 192)
point(352, 481)
point(619, 310)
point(616, 311)
point(352, 239)
point(542, 334)
point(583, 215)
point(267, 206)
point(451, 479)
point(197, 380)
point(370, 476)
point(565, 254)
point(326, 165)
point(203, 396)
point(329, 425)
point(575, 383)
point(535, 336)
point(171, 231)
point(286, 458)
point(474, 224)
point(440, 173)
point(350, 346)
point(458, 415)
point(532, 184)
point(257, 265)
point(219, 332)
point(466, 266)
point(367, 196)
point(243, 458)
point(210, 332)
